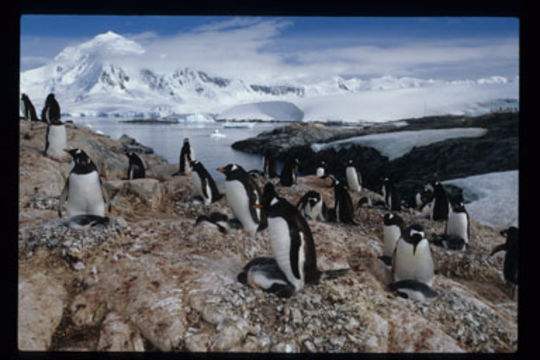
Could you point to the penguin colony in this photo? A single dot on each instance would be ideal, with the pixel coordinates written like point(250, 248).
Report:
point(293, 263)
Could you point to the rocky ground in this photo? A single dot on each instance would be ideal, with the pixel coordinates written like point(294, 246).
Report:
point(151, 280)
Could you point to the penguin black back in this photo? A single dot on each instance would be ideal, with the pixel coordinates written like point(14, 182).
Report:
point(269, 165)
point(440, 202)
point(343, 204)
point(135, 167)
point(511, 257)
point(289, 172)
point(185, 156)
point(275, 206)
point(51, 110)
point(205, 176)
point(29, 109)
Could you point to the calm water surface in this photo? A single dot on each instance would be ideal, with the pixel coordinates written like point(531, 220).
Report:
point(167, 139)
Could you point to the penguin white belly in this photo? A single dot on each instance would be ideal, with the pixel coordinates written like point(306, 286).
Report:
point(57, 140)
point(352, 179)
point(239, 202)
point(424, 271)
point(308, 211)
point(280, 242)
point(403, 261)
point(391, 235)
point(316, 213)
point(84, 196)
point(457, 225)
point(418, 200)
point(197, 182)
point(262, 280)
point(320, 172)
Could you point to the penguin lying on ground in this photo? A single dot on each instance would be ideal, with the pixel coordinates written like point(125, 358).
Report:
point(292, 242)
point(204, 184)
point(312, 206)
point(457, 230)
point(85, 221)
point(219, 220)
point(264, 273)
point(412, 289)
point(510, 270)
point(393, 225)
point(83, 189)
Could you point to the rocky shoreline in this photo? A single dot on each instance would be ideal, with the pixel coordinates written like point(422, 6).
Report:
point(497, 150)
point(151, 280)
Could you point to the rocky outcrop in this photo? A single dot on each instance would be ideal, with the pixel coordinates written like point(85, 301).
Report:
point(150, 280)
point(498, 150)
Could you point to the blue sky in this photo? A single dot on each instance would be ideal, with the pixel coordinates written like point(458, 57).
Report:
point(444, 48)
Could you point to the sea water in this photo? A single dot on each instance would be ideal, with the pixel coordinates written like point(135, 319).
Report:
point(167, 139)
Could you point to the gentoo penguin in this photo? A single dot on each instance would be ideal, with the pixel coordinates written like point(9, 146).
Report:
point(412, 257)
point(393, 225)
point(511, 257)
point(29, 110)
point(51, 110)
point(312, 206)
point(423, 196)
point(187, 155)
point(391, 195)
point(292, 242)
point(136, 167)
point(55, 139)
point(242, 192)
point(264, 273)
point(458, 222)
point(354, 178)
point(412, 289)
point(321, 169)
point(289, 172)
point(85, 221)
point(343, 205)
point(440, 204)
point(83, 189)
point(269, 165)
point(204, 183)
point(217, 219)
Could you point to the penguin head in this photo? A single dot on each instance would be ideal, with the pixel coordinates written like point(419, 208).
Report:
point(458, 207)
point(511, 234)
point(82, 162)
point(231, 171)
point(350, 162)
point(415, 234)
point(24, 96)
point(313, 197)
point(269, 196)
point(50, 98)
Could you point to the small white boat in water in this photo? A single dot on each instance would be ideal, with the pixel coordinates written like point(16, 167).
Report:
point(217, 134)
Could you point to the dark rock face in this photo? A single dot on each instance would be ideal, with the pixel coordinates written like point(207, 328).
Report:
point(498, 150)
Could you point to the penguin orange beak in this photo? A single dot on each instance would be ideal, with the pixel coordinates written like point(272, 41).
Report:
point(257, 206)
point(221, 170)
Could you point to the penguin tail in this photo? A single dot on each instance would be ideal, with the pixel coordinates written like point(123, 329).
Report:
point(333, 274)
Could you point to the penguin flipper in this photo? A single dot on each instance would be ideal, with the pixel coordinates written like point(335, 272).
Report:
point(63, 197)
point(105, 195)
point(296, 245)
point(46, 142)
point(498, 248)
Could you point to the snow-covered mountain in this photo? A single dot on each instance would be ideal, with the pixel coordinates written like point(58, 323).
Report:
point(108, 76)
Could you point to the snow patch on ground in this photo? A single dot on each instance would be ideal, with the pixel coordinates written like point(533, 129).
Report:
point(496, 197)
point(396, 144)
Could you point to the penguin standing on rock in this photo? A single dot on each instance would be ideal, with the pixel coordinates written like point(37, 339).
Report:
point(269, 165)
point(458, 223)
point(289, 172)
point(55, 139)
point(51, 110)
point(187, 155)
point(393, 225)
point(441, 205)
point(292, 242)
point(392, 199)
point(312, 206)
point(204, 183)
point(29, 110)
point(243, 194)
point(321, 169)
point(136, 167)
point(83, 189)
point(511, 257)
point(412, 257)
point(354, 178)
point(343, 205)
